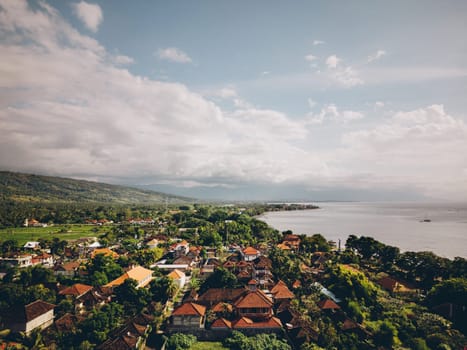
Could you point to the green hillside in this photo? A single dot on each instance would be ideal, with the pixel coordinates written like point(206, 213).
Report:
point(28, 188)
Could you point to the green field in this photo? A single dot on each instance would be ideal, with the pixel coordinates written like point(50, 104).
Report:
point(206, 345)
point(66, 232)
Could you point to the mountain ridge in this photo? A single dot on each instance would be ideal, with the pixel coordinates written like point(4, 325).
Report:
point(30, 188)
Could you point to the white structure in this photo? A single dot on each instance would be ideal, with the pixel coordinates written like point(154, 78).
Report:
point(19, 261)
point(32, 245)
point(178, 277)
point(38, 314)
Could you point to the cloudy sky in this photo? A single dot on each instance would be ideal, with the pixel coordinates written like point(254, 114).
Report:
point(310, 100)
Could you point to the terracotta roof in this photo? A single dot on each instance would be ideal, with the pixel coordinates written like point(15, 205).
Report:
point(221, 307)
point(214, 295)
point(254, 299)
point(190, 309)
point(250, 251)
point(68, 322)
point(253, 282)
point(105, 251)
point(221, 323)
point(328, 304)
point(243, 264)
point(70, 266)
point(176, 274)
point(36, 309)
point(262, 262)
point(296, 284)
point(183, 260)
point(137, 273)
point(281, 291)
point(349, 324)
point(245, 322)
point(76, 290)
point(229, 263)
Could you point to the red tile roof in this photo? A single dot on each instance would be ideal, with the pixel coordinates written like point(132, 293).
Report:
point(190, 309)
point(281, 291)
point(245, 322)
point(250, 251)
point(221, 307)
point(221, 323)
point(254, 299)
point(76, 290)
point(328, 304)
point(214, 295)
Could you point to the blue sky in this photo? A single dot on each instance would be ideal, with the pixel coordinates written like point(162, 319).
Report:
point(305, 100)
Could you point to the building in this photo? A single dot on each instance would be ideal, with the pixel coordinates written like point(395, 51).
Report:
point(189, 315)
point(140, 274)
point(281, 292)
point(37, 314)
point(67, 269)
point(178, 277)
point(104, 251)
point(76, 290)
point(17, 260)
point(250, 253)
point(254, 305)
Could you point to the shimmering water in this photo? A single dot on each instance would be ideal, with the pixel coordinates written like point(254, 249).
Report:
point(398, 224)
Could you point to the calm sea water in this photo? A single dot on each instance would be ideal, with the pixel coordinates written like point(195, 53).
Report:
point(397, 224)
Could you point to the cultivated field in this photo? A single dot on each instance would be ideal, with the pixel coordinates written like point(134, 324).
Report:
point(67, 232)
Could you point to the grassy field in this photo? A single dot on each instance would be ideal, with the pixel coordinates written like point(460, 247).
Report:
point(206, 345)
point(67, 232)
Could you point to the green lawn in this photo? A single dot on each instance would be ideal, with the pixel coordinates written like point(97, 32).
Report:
point(206, 345)
point(67, 232)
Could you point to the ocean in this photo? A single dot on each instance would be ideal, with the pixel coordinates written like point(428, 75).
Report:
point(437, 227)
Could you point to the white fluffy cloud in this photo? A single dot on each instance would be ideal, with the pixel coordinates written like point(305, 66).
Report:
point(332, 61)
point(89, 14)
point(376, 56)
point(332, 113)
point(318, 42)
point(68, 109)
point(174, 55)
point(423, 148)
point(310, 58)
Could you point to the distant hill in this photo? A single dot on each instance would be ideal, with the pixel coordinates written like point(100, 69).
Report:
point(21, 187)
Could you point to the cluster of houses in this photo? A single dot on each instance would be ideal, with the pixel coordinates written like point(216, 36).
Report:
point(261, 305)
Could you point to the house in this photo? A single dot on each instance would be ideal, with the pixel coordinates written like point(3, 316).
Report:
point(33, 223)
point(262, 271)
point(140, 274)
point(293, 241)
point(221, 324)
point(152, 244)
point(178, 277)
point(67, 323)
point(105, 252)
point(189, 315)
point(67, 269)
point(95, 245)
point(131, 336)
point(394, 286)
point(186, 260)
point(245, 323)
point(43, 259)
point(250, 253)
point(284, 246)
point(328, 304)
point(37, 314)
point(75, 290)
point(32, 245)
point(281, 292)
point(180, 248)
point(17, 260)
point(89, 300)
point(254, 305)
point(216, 295)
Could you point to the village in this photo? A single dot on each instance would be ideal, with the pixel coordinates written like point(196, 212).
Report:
point(205, 274)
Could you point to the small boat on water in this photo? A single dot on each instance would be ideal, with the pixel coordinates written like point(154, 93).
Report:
point(425, 220)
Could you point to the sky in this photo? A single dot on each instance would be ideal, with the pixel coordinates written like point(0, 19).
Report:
point(239, 100)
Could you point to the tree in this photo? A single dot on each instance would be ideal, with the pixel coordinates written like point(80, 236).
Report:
point(386, 335)
point(221, 278)
point(162, 289)
point(179, 341)
point(132, 299)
